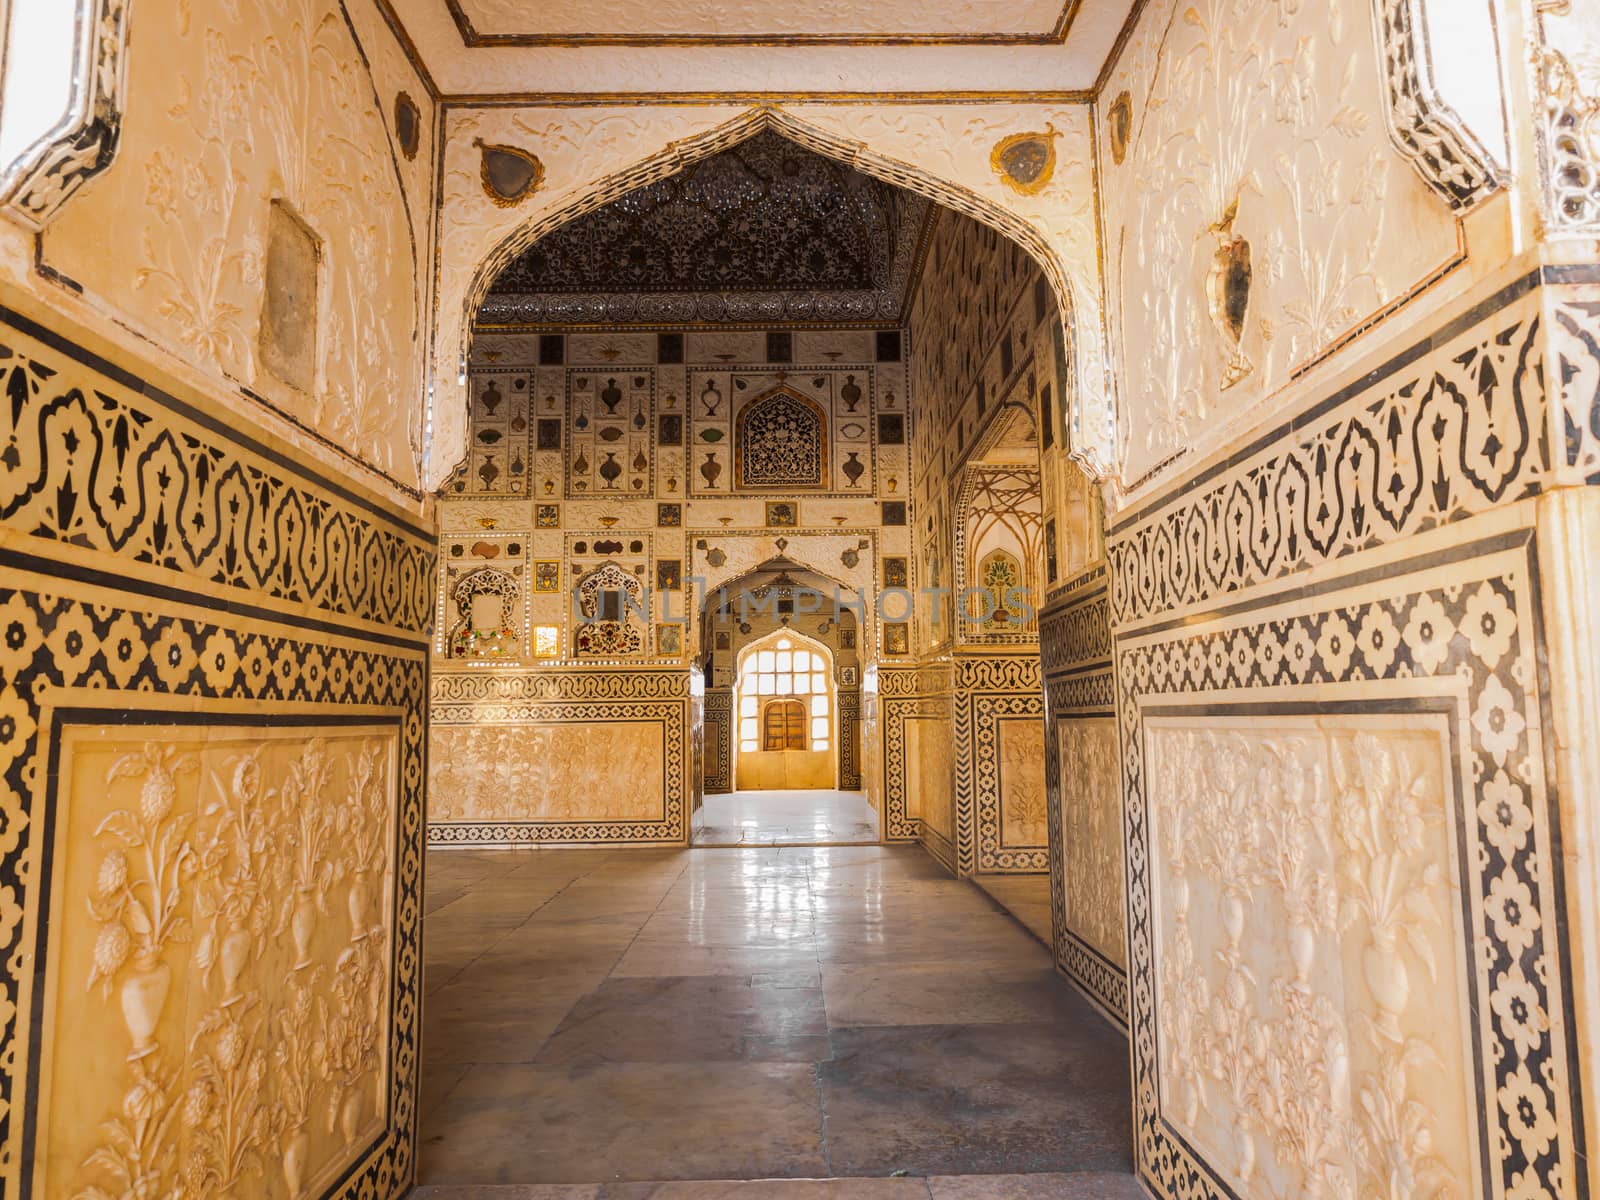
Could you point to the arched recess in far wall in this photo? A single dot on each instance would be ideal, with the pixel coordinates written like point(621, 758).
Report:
point(592, 156)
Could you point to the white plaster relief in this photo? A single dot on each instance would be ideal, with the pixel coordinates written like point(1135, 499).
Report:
point(1313, 996)
point(230, 107)
point(1238, 102)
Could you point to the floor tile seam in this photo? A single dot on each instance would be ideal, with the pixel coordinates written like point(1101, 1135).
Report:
point(822, 1112)
point(610, 971)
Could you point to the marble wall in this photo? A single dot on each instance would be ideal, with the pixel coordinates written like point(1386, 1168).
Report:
point(216, 603)
point(1347, 954)
point(173, 238)
point(211, 746)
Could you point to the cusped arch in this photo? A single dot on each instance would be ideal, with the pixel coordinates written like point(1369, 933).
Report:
point(1091, 417)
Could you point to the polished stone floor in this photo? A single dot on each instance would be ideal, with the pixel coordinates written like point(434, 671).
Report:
point(782, 818)
point(1025, 897)
point(641, 1017)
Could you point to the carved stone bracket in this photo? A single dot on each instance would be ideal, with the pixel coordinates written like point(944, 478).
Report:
point(1444, 151)
point(35, 187)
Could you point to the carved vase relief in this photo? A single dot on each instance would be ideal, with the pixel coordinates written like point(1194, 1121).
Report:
point(220, 1024)
point(1228, 294)
point(1091, 835)
point(1312, 989)
point(1023, 820)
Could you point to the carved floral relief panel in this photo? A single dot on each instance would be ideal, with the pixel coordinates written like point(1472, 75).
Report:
point(1311, 967)
point(217, 1005)
point(1022, 815)
point(1256, 136)
point(1093, 890)
point(608, 772)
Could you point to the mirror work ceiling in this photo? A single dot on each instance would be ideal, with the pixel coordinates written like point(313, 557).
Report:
point(776, 22)
point(765, 230)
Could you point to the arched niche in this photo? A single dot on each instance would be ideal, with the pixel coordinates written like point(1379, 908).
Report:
point(781, 443)
point(613, 617)
point(592, 157)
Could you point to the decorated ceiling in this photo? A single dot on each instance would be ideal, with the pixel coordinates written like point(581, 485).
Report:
point(765, 230)
point(627, 22)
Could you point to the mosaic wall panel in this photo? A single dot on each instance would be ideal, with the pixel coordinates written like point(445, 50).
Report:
point(564, 757)
point(1001, 822)
point(718, 773)
point(212, 677)
point(1289, 742)
point(599, 440)
point(850, 740)
point(1451, 425)
point(1087, 888)
point(909, 694)
point(145, 476)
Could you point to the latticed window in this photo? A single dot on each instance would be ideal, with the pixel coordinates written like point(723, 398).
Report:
point(799, 680)
point(783, 725)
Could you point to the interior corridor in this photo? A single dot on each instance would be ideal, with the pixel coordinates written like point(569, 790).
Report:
point(603, 1018)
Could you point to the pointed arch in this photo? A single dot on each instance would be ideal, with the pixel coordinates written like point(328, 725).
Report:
point(1076, 284)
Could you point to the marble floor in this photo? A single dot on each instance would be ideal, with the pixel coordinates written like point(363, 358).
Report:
point(633, 1024)
point(778, 818)
point(1025, 897)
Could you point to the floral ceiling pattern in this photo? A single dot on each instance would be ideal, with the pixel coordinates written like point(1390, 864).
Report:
point(765, 228)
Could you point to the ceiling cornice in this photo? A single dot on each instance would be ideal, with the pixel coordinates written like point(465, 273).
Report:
point(608, 99)
point(419, 63)
point(1054, 36)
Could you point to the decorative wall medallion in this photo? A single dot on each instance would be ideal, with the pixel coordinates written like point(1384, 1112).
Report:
point(669, 516)
point(407, 125)
point(716, 556)
point(850, 558)
point(669, 641)
point(509, 175)
point(1228, 294)
point(895, 572)
point(547, 516)
point(782, 514)
point(848, 677)
point(1119, 126)
point(896, 638)
point(894, 512)
point(546, 576)
point(1026, 161)
point(669, 575)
